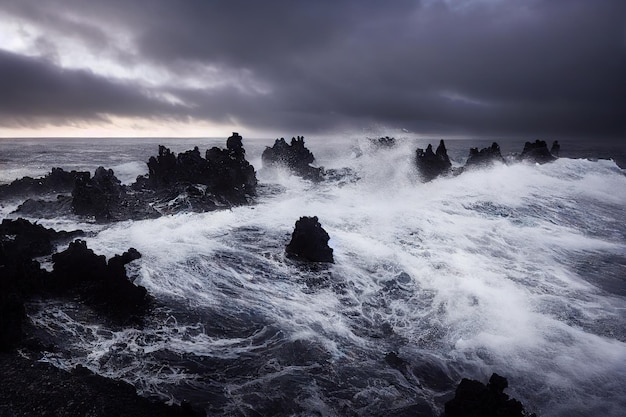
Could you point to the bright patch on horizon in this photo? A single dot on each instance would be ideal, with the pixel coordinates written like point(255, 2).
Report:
point(457, 97)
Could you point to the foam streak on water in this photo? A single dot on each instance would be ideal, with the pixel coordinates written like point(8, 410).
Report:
point(516, 269)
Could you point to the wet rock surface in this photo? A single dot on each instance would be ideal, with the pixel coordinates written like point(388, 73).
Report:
point(31, 388)
point(294, 156)
point(224, 172)
point(384, 142)
point(433, 164)
point(99, 284)
point(77, 271)
point(56, 182)
point(20, 275)
point(175, 183)
point(537, 152)
point(309, 241)
point(475, 399)
point(484, 157)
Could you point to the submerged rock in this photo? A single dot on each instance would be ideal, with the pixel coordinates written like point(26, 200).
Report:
point(486, 156)
point(475, 399)
point(309, 241)
point(384, 142)
point(433, 164)
point(294, 156)
point(537, 152)
point(46, 209)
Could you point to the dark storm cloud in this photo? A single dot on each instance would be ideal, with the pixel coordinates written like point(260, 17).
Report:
point(495, 67)
point(34, 89)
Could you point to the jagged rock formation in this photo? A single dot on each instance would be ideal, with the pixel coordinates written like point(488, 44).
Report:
point(55, 182)
point(537, 152)
point(102, 285)
point(475, 399)
point(433, 164)
point(486, 156)
point(20, 275)
point(555, 149)
point(224, 174)
point(96, 196)
point(174, 183)
point(77, 271)
point(294, 156)
point(309, 241)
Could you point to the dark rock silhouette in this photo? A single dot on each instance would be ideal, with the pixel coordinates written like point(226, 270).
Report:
point(97, 196)
point(485, 156)
point(12, 316)
point(433, 164)
point(555, 149)
point(105, 199)
point(104, 286)
point(174, 183)
point(475, 399)
point(309, 241)
point(225, 172)
point(21, 276)
point(33, 388)
point(537, 152)
point(294, 156)
point(56, 182)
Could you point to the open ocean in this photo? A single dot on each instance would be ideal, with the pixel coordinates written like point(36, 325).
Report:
point(518, 269)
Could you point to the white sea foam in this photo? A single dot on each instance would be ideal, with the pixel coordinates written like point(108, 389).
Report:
point(477, 270)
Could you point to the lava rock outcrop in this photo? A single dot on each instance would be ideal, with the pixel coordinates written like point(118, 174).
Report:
point(537, 152)
point(309, 242)
point(433, 164)
point(475, 399)
point(295, 156)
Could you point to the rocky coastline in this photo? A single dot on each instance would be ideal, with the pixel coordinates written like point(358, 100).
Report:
point(184, 182)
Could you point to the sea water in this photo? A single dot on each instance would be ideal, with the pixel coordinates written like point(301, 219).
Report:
point(518, 269)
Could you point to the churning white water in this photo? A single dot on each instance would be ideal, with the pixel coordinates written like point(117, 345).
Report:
point(516, 269)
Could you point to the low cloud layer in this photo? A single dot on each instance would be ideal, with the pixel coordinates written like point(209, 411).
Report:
point(489, 67)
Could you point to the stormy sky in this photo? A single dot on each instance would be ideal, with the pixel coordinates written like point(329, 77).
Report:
point(516, 68)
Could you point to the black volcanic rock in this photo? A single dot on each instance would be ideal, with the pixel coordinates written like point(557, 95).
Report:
point(225, 173)
point(57, 181)
point(33, 388)
point(309, 241)
point(555, 149)
point(104, 286)
point(187, 182)
point(537, 152)
point(485, 156)
point(104, 198)
point(20, 275)
point(46, 209)
point(433, 164)
point(12, 316)
point(475, 399)
point(98, 195)
point(294, 156)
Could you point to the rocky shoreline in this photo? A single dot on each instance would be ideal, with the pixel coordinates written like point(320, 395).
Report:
point(187, 182)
